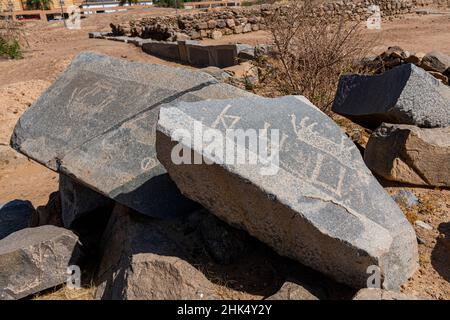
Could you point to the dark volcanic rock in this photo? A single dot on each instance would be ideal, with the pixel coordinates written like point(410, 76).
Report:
point(14, 216)
point(315, 202)
point(406, 95)
point(78, 200)
point(96, 124)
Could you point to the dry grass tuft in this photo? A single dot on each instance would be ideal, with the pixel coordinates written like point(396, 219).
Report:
point(64, 293)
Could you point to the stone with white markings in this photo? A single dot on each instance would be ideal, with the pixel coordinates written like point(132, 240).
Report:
point(316, 202)
point(97, 122)
point(35, 259)
point(406, 95)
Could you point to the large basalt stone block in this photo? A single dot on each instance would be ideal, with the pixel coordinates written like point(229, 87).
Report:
point(96, 124)
point(410, 154)
point(405, 95)
point(166, 50)
point(35, 259)
point(319, 204)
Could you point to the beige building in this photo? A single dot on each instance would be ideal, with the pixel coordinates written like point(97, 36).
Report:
point(19, 5)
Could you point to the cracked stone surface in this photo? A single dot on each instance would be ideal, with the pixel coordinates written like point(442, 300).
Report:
point(35, 259)
point(409, 154)
point(96, 123)
point(321, 206)
point(405, 95)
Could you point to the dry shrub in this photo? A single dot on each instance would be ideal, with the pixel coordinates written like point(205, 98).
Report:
point(12, 36)
point(309, 53)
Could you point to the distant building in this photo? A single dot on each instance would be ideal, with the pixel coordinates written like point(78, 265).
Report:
point(20, 5)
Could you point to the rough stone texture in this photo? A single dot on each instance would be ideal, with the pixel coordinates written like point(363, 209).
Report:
point(203, 23)
point(410, 154)
point(224, 244)
point(97, 122)
point(322, 207)
point(436, 61)
point(380, 294)
point(406, 94)
point(293, 291)
point(51, 213)
point(146, 259)
point(406, 198)
point(14, 216)
point(78, 200)
point(217, 73)
point(35, 259)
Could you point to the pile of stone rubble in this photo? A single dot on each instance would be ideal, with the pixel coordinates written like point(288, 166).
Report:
point(308, 224)
point(436, 63)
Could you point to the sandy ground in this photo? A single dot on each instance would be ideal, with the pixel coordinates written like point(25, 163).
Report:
point(52, 47)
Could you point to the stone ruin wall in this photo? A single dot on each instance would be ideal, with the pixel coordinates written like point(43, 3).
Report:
point(216, 23)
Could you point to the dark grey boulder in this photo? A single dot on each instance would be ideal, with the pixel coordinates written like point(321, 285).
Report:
point(405, 95)
point(96, 124)
point(14, 216)
point(78, 200)
point(320, 205)
point(35, 259)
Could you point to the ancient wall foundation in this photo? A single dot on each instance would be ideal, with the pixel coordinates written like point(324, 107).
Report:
point(221, 22)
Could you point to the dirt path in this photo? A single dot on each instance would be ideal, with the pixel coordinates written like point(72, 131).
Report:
point(52, 47)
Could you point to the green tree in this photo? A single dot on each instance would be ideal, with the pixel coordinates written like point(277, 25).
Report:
point(38, 4)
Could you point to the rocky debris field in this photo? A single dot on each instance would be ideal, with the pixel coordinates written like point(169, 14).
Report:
point(140, 225)
point(119, 237)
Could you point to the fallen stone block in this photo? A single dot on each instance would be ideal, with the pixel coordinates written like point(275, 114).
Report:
point(166, 50)
point(435, 61)
point(245, 52)
point(311, 198)
point(78, 200)
point(406, 94)
point(147, 259)
point(380, 294)
point(14, 216)
point(96, 124)
point(35, 259)
point(410, 154)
